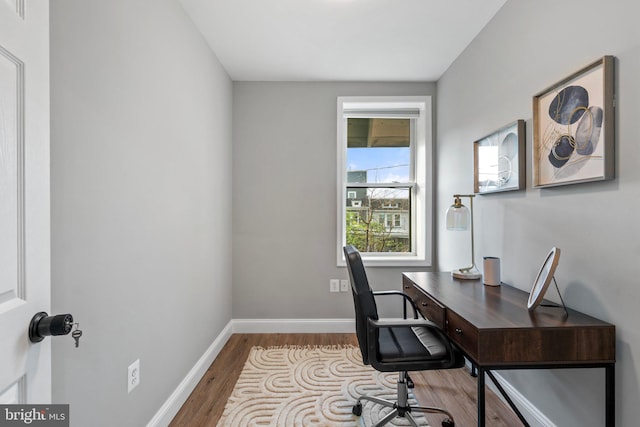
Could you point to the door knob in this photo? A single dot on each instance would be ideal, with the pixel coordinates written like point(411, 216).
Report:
point(42, 325)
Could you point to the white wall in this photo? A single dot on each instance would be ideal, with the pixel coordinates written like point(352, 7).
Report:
point(526, 48)
point(141, 202)
point(284, 199)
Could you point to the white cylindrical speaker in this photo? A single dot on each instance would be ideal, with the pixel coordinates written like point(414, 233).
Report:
point(491, 271)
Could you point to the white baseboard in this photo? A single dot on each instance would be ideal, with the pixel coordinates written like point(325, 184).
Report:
point(271, 326)
point(534, 417)
point(180, 395)
point(292, 326)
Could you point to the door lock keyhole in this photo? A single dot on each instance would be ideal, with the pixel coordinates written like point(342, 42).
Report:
point(42, 325)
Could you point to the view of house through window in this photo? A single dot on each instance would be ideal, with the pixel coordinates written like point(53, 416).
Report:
point(384, 191)
point(379, 184)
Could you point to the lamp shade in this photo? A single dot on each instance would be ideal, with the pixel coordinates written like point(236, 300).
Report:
point(458, 217)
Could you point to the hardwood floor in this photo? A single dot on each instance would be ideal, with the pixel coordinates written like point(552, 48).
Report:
point(452, 389)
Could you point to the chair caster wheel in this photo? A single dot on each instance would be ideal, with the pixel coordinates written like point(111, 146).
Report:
point(448, 423)
point(357, 409)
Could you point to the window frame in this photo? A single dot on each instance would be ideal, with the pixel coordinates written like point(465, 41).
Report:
point(421, 170)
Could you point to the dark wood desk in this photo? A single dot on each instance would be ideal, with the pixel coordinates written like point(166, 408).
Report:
point(494, 328)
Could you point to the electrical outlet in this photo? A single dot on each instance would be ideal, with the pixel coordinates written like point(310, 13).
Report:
point(133, 375)
point(334, 285)
point(344, 285)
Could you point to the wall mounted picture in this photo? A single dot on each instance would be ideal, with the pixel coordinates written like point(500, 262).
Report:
point(573, 128)
point(499, 160)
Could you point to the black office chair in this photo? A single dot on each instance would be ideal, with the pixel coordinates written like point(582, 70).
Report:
point(401, 345)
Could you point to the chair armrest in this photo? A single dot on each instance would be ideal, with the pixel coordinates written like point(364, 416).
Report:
point(405, 296)
point(403, 323)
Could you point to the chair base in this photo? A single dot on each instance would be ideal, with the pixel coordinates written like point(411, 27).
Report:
point(401, 408)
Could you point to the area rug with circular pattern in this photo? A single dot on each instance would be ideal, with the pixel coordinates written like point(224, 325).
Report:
point(314, 386)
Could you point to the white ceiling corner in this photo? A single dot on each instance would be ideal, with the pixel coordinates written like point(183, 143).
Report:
point(339, 40)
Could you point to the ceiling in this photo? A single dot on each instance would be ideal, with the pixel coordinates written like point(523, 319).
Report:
point(339, 40)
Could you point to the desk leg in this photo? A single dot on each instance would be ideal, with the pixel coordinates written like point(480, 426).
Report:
point(473, 372)
point(610, 400)
point(481, 415)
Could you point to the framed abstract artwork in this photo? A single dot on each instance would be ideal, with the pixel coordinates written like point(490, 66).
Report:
point(499, 160)
point(573, 128)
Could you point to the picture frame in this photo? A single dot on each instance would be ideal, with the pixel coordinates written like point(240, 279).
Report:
point(574, 128)
point(499, 160)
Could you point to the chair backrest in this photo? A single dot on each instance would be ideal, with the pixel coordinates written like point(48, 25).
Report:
point(363, 300)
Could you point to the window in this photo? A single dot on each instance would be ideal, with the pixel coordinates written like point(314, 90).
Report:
point(391, 221)
point(384, 159)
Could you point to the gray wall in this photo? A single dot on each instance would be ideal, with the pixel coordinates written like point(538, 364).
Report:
point(284, 198)
point(141, 202)
point(527, 47)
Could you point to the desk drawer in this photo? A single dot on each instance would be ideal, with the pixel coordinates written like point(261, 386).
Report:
point(462, 333)
point(427, 306)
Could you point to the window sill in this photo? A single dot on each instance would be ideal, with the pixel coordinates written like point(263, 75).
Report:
point(389, 261)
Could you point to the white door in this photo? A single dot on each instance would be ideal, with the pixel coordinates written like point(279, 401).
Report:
point(25, 368)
